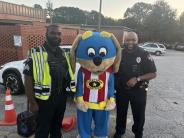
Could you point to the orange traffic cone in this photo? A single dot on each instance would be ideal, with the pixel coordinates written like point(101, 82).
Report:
point(9, 113)
point(69, 123)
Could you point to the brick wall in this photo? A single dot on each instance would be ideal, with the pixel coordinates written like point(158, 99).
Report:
point(32, 35)
point(8, 51)
point(68, 35)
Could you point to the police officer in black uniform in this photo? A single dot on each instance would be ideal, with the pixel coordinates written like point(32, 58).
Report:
point(136, 69)
point(50, 112)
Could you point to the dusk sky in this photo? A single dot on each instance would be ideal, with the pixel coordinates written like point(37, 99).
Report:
point(110, 8)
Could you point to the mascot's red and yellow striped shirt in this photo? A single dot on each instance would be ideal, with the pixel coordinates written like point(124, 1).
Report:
point(95, 89)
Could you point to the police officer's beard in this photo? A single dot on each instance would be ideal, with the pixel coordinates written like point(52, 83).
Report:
point(132, 49)
point(53, 42)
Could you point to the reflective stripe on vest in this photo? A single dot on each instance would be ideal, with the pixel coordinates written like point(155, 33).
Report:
point(41, 73)
point(72, 83)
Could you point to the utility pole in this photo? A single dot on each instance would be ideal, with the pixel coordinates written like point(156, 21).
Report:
point(50, 10)
point(86, 14)
point(100, 17)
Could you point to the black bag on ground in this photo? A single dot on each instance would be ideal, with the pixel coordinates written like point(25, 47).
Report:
point(26, 123)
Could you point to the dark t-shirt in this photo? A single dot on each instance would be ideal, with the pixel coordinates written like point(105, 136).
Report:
point(134, 64)
point(58, 69)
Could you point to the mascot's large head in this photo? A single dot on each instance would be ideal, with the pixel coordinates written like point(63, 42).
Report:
point(96, 51)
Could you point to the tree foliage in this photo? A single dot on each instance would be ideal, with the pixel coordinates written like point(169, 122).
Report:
point(37, 6)
point(153, 22)
point(71, 15)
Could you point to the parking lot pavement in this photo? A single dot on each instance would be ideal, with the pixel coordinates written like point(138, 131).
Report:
point(165, 103)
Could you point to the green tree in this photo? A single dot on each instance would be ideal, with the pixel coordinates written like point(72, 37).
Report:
point(182, 18)
point(138, 12)
point(134, 17)
point(181, 27)
point(37, 6)
point(69, 15)
point(93, 18)
point(161, 23)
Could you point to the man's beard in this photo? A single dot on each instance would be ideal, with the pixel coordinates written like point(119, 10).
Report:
point(132, 49)
point(53, 42)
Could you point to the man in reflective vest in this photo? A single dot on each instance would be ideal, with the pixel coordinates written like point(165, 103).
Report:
point(47, 74)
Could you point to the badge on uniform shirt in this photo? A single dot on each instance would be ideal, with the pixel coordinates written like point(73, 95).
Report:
point(138, 59)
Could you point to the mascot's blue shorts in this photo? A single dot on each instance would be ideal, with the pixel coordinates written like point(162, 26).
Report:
point(84, 122)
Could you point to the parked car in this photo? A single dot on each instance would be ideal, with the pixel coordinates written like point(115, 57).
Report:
point(154, 48)
point(11, 74)
point(179, 46)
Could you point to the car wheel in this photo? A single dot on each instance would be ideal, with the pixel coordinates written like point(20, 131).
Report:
point(14, 82)
point(157, 53)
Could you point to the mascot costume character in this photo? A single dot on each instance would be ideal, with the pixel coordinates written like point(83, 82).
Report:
point(99, 55)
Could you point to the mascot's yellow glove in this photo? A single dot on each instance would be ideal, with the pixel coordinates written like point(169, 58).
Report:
point(81, 104)
point(110, 104)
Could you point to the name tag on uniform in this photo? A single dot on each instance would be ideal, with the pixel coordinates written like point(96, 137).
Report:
point(134, 68)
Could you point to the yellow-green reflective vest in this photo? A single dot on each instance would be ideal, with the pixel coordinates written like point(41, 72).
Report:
point(41, 73)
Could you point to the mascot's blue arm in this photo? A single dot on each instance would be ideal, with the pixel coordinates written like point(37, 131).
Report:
point(111, 86)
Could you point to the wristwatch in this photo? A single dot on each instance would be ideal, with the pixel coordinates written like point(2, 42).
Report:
point(138, 79)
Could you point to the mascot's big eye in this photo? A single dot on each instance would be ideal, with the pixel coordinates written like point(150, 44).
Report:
point(91, 52)
point(103, 51)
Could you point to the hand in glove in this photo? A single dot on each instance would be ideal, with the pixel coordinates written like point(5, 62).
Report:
point(110, 105)
point(82, 106)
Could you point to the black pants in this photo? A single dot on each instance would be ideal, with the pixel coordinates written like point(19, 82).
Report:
point(50, 116)
point(137, 99)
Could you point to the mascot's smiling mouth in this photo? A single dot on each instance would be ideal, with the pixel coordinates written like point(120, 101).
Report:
point(100, 71)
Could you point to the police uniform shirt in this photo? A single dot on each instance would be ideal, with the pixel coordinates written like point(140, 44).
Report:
point(58, 68)
point(134, 64)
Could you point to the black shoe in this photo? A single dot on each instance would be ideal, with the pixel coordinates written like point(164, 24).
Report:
point(116, 135)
